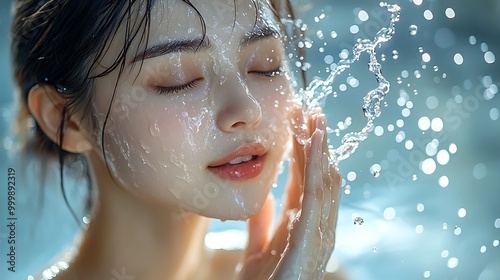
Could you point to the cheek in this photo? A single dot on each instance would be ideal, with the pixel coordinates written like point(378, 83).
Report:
point(158, 148)
point(276, 102)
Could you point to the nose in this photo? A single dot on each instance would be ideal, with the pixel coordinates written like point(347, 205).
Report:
point(238, 109)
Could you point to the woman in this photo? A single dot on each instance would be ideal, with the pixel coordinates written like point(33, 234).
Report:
point(182, 111)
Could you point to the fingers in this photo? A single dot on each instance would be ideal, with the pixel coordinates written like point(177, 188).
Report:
point(314, 191)
point(314, 233)
point(259, 227)
point(303, 256)
point(302, 131)
point(336, 181)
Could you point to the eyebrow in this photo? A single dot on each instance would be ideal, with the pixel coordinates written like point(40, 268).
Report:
point(198, 44)
point(259, 33)
point(174, 46)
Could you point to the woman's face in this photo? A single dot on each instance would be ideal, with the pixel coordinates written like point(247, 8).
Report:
point(199, 122)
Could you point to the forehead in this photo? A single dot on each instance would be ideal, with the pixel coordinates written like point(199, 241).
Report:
point(172, 19)
point(223, 22)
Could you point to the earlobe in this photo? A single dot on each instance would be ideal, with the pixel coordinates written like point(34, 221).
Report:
point(47, 106)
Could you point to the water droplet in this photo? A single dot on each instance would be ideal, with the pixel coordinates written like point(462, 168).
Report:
point(458, 59)
point(462, 212)
point(413, 30)
point(445, 254)
point(443, 181)
point(86, 220)
point(374, 249)
point(494, 114)
point(363, 15)
point(347, 189)
point(145, 148)
point(452, 262)
point(328, 59)
point(154, 129)
point(426, 57)
point(417, 74)
point(351, 176)
point(428, 166)
point(449, 12)
point(354, 29)
point(420, 207)
point(389, 213)
point(482, 249)
point(375, 170)
point(319, 34)
point(395, 54)
point(489, 57)
point(359, 221)
point(428, 15)
point(419, 229)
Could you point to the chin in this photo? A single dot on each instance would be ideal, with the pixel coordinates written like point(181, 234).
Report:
point(238, 207)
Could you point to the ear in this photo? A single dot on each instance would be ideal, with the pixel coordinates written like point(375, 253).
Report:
point(46, 106)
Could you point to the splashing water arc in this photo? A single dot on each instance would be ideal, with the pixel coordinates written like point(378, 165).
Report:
point(317, 91)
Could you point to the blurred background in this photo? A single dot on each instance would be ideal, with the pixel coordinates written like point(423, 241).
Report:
point(421, 196)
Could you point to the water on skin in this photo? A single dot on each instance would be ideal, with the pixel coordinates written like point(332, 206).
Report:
point(317, 91)
point(154, 129)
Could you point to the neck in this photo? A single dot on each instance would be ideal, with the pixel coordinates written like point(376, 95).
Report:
point(140, 239)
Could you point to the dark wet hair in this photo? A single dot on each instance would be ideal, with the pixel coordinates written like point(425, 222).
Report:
point(60, 43)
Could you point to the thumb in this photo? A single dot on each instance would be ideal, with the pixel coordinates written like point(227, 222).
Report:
point(259, 227)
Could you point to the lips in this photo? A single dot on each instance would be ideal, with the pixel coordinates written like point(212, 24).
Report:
point(246, 162)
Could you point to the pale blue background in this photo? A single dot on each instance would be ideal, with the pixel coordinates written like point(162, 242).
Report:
point(45, 226)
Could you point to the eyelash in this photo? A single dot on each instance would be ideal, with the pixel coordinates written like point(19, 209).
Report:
point(276, 72)
point(176, 89)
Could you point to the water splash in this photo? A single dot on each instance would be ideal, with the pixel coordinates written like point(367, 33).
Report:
point(317, 91)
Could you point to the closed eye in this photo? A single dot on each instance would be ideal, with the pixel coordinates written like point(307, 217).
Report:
point(177, 89)
point(275, 72)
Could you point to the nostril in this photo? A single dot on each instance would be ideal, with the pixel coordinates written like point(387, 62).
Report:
point(238, 118)
point(238, 124)
point(239, 111)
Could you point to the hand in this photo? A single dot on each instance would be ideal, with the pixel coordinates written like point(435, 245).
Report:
point(305, 236)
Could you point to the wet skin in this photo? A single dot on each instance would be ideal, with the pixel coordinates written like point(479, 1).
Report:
point(198, 128)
